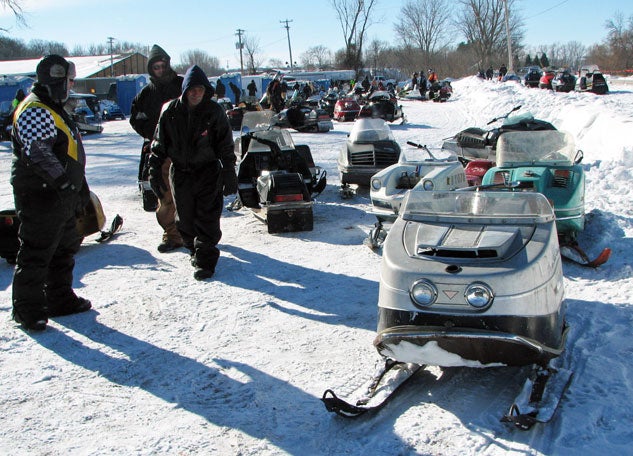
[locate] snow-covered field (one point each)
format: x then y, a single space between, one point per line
165 364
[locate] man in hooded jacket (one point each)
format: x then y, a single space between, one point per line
164 85
194 132
49 189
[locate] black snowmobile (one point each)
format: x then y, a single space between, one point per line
277 179
478 143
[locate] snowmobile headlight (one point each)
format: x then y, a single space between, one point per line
428 185
479 295
423 293
376 183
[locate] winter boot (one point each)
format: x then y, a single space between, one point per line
201 274
72 305
30 319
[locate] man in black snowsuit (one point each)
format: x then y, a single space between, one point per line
195 133
164 85
49 189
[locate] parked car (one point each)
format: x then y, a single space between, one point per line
532 77
110 110
546 79
564 81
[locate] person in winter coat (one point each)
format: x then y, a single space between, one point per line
220 89
19 96
236 91
194 132
252 88
164 85
49 189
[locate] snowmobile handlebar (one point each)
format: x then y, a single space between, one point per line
505 116
422 146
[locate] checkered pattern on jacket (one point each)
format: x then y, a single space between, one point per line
35 124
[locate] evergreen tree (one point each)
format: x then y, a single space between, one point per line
528 60
544 61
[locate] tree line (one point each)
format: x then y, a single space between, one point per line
425 31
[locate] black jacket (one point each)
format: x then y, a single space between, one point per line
147 104
194 139
47 148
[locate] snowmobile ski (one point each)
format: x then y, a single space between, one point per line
539 397
376 237
373 394
573 253
116 225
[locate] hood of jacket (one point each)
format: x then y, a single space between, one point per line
195 76
157 54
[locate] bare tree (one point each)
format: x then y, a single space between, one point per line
14 6
423 24
620 40
374 54
38 48
209 64
355 18
482 22
316 57
252 49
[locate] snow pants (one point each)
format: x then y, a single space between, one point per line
49 241
166 212
199 203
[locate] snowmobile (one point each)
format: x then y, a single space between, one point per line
236 114
83 108
478 143
472 279
277 179
370 147
328 102
417 169
303 117
547 162
590 79
384 105
444 92
346 109
91 221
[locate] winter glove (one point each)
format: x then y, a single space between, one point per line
229 181
84 199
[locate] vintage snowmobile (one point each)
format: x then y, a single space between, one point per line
382 104
346 109
370 147
277 179
303 116
417 169
590 79
478 143
90 222
547 162
472 279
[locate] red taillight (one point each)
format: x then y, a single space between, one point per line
287 198
8 221
562 173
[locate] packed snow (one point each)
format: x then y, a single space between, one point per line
165 364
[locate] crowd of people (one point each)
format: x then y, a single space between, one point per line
187 150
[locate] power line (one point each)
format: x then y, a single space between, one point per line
287 27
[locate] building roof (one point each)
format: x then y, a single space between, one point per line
85 66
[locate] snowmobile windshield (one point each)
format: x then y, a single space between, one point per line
380 95
425 156
256 121
281 137
527 148
367 130
504 208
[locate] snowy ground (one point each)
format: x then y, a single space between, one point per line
168 365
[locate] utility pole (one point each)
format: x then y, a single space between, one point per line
508 38
110 41
239 45
287 27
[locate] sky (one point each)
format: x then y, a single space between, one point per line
167 365
197 25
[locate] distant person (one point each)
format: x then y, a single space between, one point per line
237 92
502 72
194 132
490 73
252 88
220 89
164 85
19 96
49 190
